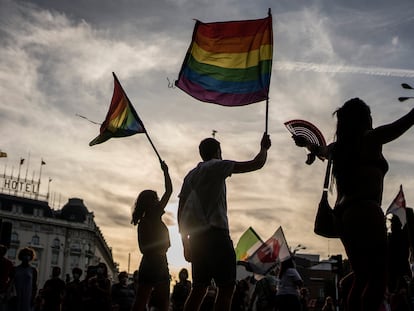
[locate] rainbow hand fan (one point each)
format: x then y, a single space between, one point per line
309 132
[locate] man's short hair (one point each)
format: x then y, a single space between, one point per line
208 148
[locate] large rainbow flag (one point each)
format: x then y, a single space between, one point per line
229 63
121 120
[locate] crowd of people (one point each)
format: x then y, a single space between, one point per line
359 168
94 290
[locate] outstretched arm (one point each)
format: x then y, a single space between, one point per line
168 186
258 161
389 132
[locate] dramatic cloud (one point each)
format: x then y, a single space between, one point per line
57 59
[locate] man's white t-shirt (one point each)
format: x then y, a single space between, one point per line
208 181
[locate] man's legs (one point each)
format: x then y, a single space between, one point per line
224 298
195 298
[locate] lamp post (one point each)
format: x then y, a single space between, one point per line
297 248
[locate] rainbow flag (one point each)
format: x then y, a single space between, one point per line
229 63
121 119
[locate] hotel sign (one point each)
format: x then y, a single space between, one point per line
13 184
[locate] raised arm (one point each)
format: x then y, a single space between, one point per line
258 161
168 186
389 132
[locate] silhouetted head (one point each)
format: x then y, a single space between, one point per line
354 118
102 269
209 148
56 271
286 264
26 254
183 274
123 277
76 273
146 200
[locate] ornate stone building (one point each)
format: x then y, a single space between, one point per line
67 238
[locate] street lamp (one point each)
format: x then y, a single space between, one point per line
297 248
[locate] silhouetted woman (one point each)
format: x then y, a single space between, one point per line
288 293
25 280
359 168
153 241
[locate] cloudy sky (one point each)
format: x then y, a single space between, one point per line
57 59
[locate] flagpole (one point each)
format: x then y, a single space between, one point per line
269 13
267 115
153 147
137 118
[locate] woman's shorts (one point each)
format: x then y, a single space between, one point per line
153 269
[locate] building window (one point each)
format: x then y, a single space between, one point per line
35 240
17 208
74 261
75 248
14 237
56 243
55 258
11 253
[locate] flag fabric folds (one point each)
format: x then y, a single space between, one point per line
274 250
121 119
398 207
247 244
229 63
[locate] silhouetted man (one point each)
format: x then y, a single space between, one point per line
203 223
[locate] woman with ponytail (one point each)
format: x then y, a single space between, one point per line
359 168
153 242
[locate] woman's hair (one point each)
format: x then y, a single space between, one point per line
144 201
27 251
286 264
183 274
354 119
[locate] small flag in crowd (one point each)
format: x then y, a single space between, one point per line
398 207
248 243
274 250
229 63
121 119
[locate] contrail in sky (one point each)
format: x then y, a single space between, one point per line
315 67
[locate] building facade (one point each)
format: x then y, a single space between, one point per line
67 238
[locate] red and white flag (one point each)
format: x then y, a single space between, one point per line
398 207
274 250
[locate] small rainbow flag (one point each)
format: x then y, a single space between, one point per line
121 120
229 63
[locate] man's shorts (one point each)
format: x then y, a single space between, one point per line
213 257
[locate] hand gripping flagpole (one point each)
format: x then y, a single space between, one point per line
138 118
